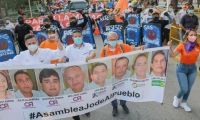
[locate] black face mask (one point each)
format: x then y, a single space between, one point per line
47 26
21 22
156 18
73 23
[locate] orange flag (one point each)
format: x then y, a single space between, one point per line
121 6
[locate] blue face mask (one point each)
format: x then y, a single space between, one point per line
190 11
113 43
78 40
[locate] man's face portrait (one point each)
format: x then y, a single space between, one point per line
99 74
121 67
24 83
74 78
51 85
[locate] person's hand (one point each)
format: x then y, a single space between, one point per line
88 58
169 43
61 60
142 47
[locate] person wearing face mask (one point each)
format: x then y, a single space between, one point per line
52 41
47 24
35 55
21 30
54 22
114 46
189 21
79 51
182 12
169 16
156 20
76 23
147 18
186 69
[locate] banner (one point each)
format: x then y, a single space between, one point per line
63 18
118 28
7 47
67 90
152 35
102 22
133 35
133 20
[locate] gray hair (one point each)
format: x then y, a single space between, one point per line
111 34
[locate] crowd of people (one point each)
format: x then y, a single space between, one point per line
52 51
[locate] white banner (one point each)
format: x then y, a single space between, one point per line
65 90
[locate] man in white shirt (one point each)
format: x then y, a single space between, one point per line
24 85
79 51
35 55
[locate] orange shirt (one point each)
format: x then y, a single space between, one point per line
187 57
119 48
53 45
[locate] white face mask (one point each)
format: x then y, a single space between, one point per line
33 47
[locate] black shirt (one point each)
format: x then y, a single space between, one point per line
189 22
21 30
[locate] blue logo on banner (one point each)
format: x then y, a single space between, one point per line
7 47
66 36
41 36
133 20
132 35
152 35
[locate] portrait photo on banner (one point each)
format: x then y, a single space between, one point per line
75 79
50 82
159 60
140 64
100 74
24 83
6 87
121 68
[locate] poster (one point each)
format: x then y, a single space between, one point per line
7 47
102 22
41 36
152 35
118 28
80 88
133 36
133 20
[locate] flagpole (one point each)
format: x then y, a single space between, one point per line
29 2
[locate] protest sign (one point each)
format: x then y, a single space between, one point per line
133 35
137 83
152 35
63 18
7 47
41 36
133 20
